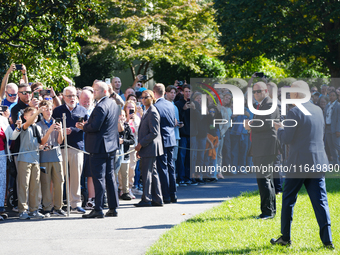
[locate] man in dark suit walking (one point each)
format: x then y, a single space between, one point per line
306 150
264 148
148 148
165 163
101 141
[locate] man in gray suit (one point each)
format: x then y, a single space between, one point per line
332 120
149 147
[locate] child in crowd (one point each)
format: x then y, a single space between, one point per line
51 161
28 165
126 139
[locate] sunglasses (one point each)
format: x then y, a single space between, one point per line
11 95
144 97
257 91
25 92
212 111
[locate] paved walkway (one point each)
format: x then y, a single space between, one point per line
132 232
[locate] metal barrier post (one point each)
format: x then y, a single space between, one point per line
66 166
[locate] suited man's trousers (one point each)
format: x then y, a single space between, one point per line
316 189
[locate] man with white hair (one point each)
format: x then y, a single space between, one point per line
102 141
11 92
86 100
74 113
306 150
264 148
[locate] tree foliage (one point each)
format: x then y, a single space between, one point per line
149 31
210 67
307 31
42 35
38 24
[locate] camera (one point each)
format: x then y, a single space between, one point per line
261 75
80 119
180 83
3 108
36 95
45 92
131 111
144 78
57 120
18 67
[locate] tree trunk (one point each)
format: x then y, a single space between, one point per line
335 76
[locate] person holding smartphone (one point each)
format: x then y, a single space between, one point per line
133 120
11 91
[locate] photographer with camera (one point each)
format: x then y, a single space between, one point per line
74 113
12 90
51 161
138 82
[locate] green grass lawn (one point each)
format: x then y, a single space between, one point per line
232 229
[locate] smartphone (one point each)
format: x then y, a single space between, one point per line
131 111
144 78
57 120
260 75
3 108
18 67
80 119
108 81
180 122
188 101
45 92
138 104
36 95
19 114
180 83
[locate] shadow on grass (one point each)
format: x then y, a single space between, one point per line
226 218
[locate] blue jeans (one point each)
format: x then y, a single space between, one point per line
183 159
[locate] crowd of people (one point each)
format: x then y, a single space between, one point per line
161 134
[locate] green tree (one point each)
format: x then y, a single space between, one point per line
305 31
176 32
209 67
42 35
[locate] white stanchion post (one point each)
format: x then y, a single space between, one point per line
66 166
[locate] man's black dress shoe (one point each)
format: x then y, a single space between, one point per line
264 217
167 201
143 204
173 199
280 241
111 213
93 214
329 246
156 204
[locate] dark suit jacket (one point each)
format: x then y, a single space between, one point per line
264 140
335 118
149 134
101 131
167 114
306 139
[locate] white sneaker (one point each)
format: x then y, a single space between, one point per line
131 194
137 192
24 216
90 204
15 209
36 215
